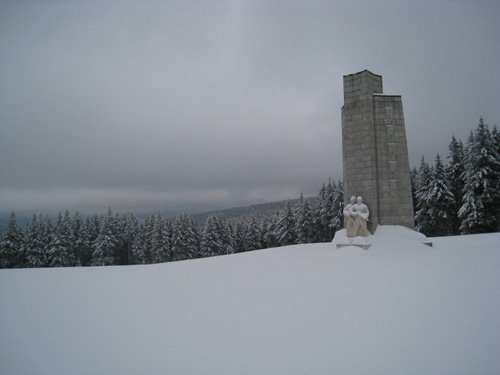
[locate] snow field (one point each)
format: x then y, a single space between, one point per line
398 308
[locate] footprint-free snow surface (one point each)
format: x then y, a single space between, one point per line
398 308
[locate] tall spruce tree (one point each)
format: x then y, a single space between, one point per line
11 245
79 236
422 220
160 240
440 202
454 173
104 246
480 211
285 229
184 238
139 248
90 231
413 183
337 220
239 237
253 234
304 225
321 215
225 233
61 246
34 245
269 231
211 242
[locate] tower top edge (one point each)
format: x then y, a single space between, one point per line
361 72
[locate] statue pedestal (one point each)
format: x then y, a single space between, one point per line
341 240
385 234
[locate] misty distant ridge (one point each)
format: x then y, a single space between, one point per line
261 209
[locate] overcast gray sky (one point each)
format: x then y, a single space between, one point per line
144 105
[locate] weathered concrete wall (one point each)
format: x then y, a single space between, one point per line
375 152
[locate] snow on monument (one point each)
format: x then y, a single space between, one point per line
375 154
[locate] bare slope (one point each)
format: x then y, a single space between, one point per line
399 308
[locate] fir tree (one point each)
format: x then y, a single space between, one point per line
325 210
160 243
60 250
269 231
211 243
47 233
439 202
413 184
480 211
454 172
253 235
104 246
79 236
34 246
90 231
184 238
337 220
139 248
239 238
285 229
11 244
303 221
422 219
225 233
496 138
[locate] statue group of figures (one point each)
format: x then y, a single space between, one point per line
355 217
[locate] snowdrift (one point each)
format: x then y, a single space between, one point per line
399 308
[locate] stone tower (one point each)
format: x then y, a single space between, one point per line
374 150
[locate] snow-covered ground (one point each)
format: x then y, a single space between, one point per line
398 308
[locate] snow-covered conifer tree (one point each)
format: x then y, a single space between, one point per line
139 248
269 230
34 246
337 220
326 213
225 233
184 238
439 202
61 246
303 221
79 236
413 183
285 229
253 234
239 238
104 246
480 211
318 219
90 231
424 176
211 244
454 172
11 244
160 242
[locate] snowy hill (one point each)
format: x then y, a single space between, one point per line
398 308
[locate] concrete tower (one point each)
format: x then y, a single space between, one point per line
374 150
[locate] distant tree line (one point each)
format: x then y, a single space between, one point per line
462 196
114 239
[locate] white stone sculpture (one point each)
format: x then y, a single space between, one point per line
349 217
360 213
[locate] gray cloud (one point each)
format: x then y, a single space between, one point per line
205 104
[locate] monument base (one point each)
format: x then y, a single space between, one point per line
384 233
341 240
